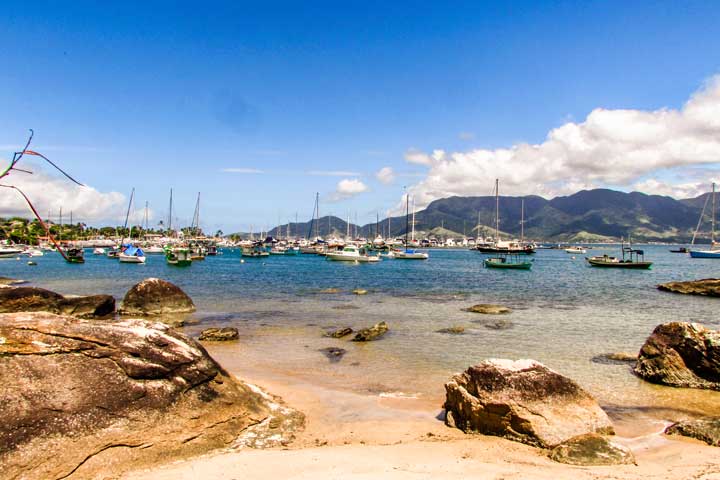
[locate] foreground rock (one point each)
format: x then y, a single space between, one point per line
592 449
153 296
219 334
704 429
33 299
488 309
375 332
339 333
523 401
88 399
681 354
709 287
333 354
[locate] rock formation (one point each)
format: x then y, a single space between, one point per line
339 333
704 429
681 354
219 334
375 332
33 299
592 449
153 296
488 309
84 398
523 401
709 287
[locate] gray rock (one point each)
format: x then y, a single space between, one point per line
592 449
333 354
705 429
339 333
456 330
617 358
153 296
523 401
375 332
219 334
709 287
95 399
681 354
33 299
488 309
499 324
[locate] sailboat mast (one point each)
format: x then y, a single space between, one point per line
61 225
317 210
497 210
127 214
170 214
712 230
413 221
407 218
522 220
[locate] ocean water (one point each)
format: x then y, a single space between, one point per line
564 314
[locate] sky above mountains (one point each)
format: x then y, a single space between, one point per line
258 105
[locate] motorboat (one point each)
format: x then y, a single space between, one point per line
34 252
75 255
99 251
631 258
351 253
132 254
410 254
255 250
508 261
178 256
10 252
575 250
154 250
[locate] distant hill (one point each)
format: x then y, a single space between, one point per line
588 215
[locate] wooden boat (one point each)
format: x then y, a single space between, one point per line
75 255
254 251
575 250
680 250
714 251
351 253
631 258
508 261
178 257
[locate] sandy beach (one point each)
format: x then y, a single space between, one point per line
349 435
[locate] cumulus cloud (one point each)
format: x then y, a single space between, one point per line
385 175
616 148
49 193
347 188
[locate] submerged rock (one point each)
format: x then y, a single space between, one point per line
488 309
346 306
339 333
333 354
93 399
592 449
219 334
615 358
681 354
709 287
499 324
523 401
456 330
375 332
705 429
329 291
5 281
360 291
153 297
33 299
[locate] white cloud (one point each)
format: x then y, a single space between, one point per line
242 170
610 148
333 173
385 175
347 188
679 190
49 193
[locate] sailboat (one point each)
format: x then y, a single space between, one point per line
501 246
409 254
714 251
128 252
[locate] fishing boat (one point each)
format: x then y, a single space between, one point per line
98 251
132 254
255 250
510 261
408 253
631 258
714 250
575 250
197 252
75 255
178 257
114 252
351 253
680 250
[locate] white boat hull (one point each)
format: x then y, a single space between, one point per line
350 258
130 259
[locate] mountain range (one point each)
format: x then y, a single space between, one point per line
588 215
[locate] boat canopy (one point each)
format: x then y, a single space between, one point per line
134 251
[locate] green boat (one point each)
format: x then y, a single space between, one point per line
512 262
178 257
75 255
631 258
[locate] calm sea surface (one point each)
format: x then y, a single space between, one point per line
564 314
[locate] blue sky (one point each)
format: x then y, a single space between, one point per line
155 95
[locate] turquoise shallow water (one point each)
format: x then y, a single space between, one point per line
564 314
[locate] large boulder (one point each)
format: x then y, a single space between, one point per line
376 332
33 299
523 401
709 287
705 429
153 296
681 354
592 449
92 399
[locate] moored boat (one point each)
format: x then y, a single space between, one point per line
255 250
508 261
178 256
132 254
714 250
75 255
10 252
575 250
98 251
351 253
631 258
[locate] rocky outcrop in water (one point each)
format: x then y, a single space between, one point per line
376 332
709 287
592 449
333 354
86 399
523 401
616 358
219 334
33 299
339 333
681 354
153 297
456 330
488 309
5 281
704 429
